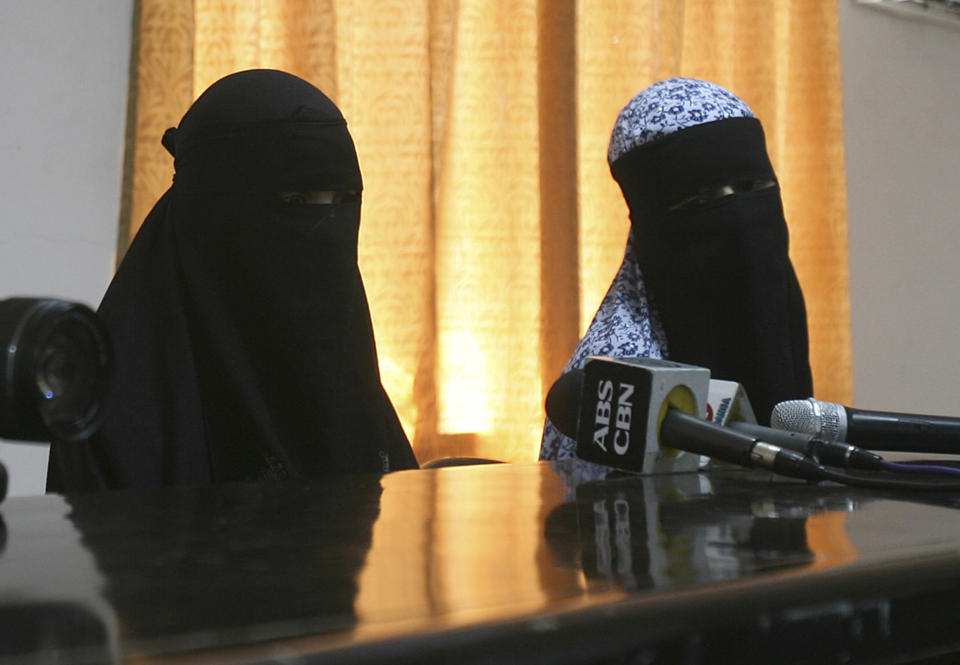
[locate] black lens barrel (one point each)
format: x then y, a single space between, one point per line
54 364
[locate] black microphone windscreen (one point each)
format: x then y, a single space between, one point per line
563 402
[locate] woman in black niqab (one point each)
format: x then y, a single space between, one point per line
242 337
706 277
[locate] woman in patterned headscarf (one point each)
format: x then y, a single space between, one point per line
243 343
705 278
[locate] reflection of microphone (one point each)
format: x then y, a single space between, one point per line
871 429
633 413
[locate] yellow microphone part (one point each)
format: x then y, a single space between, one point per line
682 399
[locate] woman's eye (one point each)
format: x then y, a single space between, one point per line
715 193
756 185
346 195
293 198
317 197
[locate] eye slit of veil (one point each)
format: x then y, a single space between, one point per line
317 197
711 194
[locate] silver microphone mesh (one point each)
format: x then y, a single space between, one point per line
825 420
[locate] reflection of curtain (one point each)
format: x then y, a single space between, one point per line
827 538
491 225
444 545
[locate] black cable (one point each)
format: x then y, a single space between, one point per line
923 469
889 483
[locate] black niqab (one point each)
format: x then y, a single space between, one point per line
243 342
717 267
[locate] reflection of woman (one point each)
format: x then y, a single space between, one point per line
706 278
243 343
191 568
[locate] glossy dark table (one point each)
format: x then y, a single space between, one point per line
483 564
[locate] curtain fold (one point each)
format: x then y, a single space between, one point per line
491 226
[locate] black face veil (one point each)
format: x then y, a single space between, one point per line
243 342
711 241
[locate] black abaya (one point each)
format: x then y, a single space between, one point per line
243 342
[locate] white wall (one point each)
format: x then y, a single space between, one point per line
63 88
901 85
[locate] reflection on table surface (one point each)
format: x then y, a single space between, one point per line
470 560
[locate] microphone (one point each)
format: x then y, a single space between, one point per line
617 404
728 405
876 430
834 453
727 402
636 414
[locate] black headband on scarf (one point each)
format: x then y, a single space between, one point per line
656 175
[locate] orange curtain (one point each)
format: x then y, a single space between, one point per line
491 226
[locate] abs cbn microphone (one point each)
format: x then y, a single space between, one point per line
637 414
613 408
876 430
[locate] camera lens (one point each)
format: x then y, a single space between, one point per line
67 374
54 371
58 368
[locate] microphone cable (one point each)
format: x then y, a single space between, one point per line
920 467
870 482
